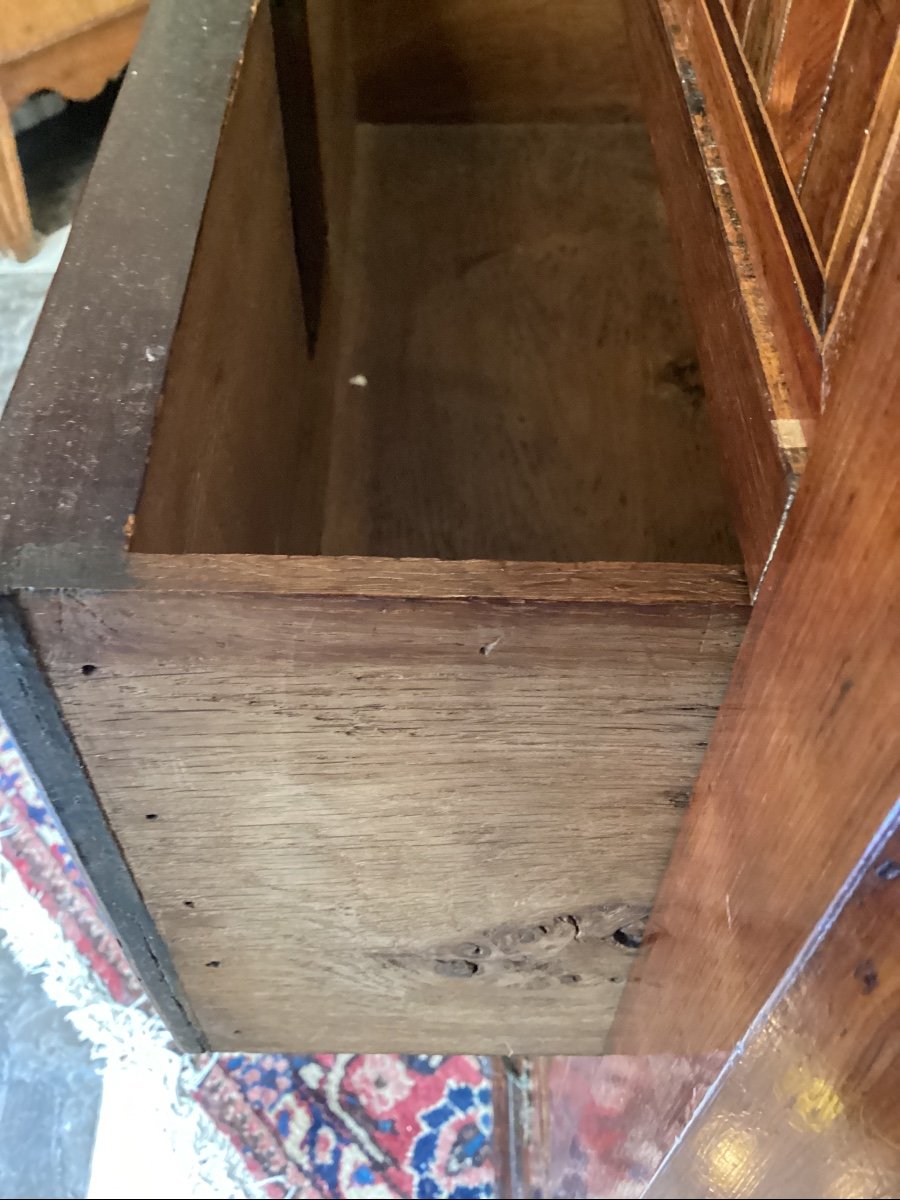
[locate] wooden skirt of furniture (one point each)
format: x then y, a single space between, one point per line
366 553
69 46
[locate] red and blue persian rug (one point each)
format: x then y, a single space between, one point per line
334 1125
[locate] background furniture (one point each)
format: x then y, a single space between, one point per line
68 46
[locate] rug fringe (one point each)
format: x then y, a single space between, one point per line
129 1039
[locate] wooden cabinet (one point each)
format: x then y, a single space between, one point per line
373 570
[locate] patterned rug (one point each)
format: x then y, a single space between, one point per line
338 1125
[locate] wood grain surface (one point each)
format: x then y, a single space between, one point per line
763 36
800 77
16 233
771 251
805 760
223 472
431 579
809 1105
752 407
804 259
531 390
872 169
349 817
865 53
467 60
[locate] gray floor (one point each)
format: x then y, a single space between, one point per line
49 1093
50 1090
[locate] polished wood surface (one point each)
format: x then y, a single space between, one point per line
418 772
800 76
526 385
803 764
762 37
863 58
503 60
762 425
872 169
808 1105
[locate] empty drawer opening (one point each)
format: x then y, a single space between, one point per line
501 366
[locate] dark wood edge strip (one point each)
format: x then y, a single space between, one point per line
29 708
807 261
88 389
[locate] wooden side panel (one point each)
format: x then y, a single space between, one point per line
226 446
467 60
392 824
761 434
865 52
809 1105
805 760
800 77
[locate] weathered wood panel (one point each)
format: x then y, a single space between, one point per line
349 818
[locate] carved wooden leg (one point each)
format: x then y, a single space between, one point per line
16 231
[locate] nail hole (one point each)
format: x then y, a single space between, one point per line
631 941
214 962
88 669
152 817
188 904
456 968
570 979
888 870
